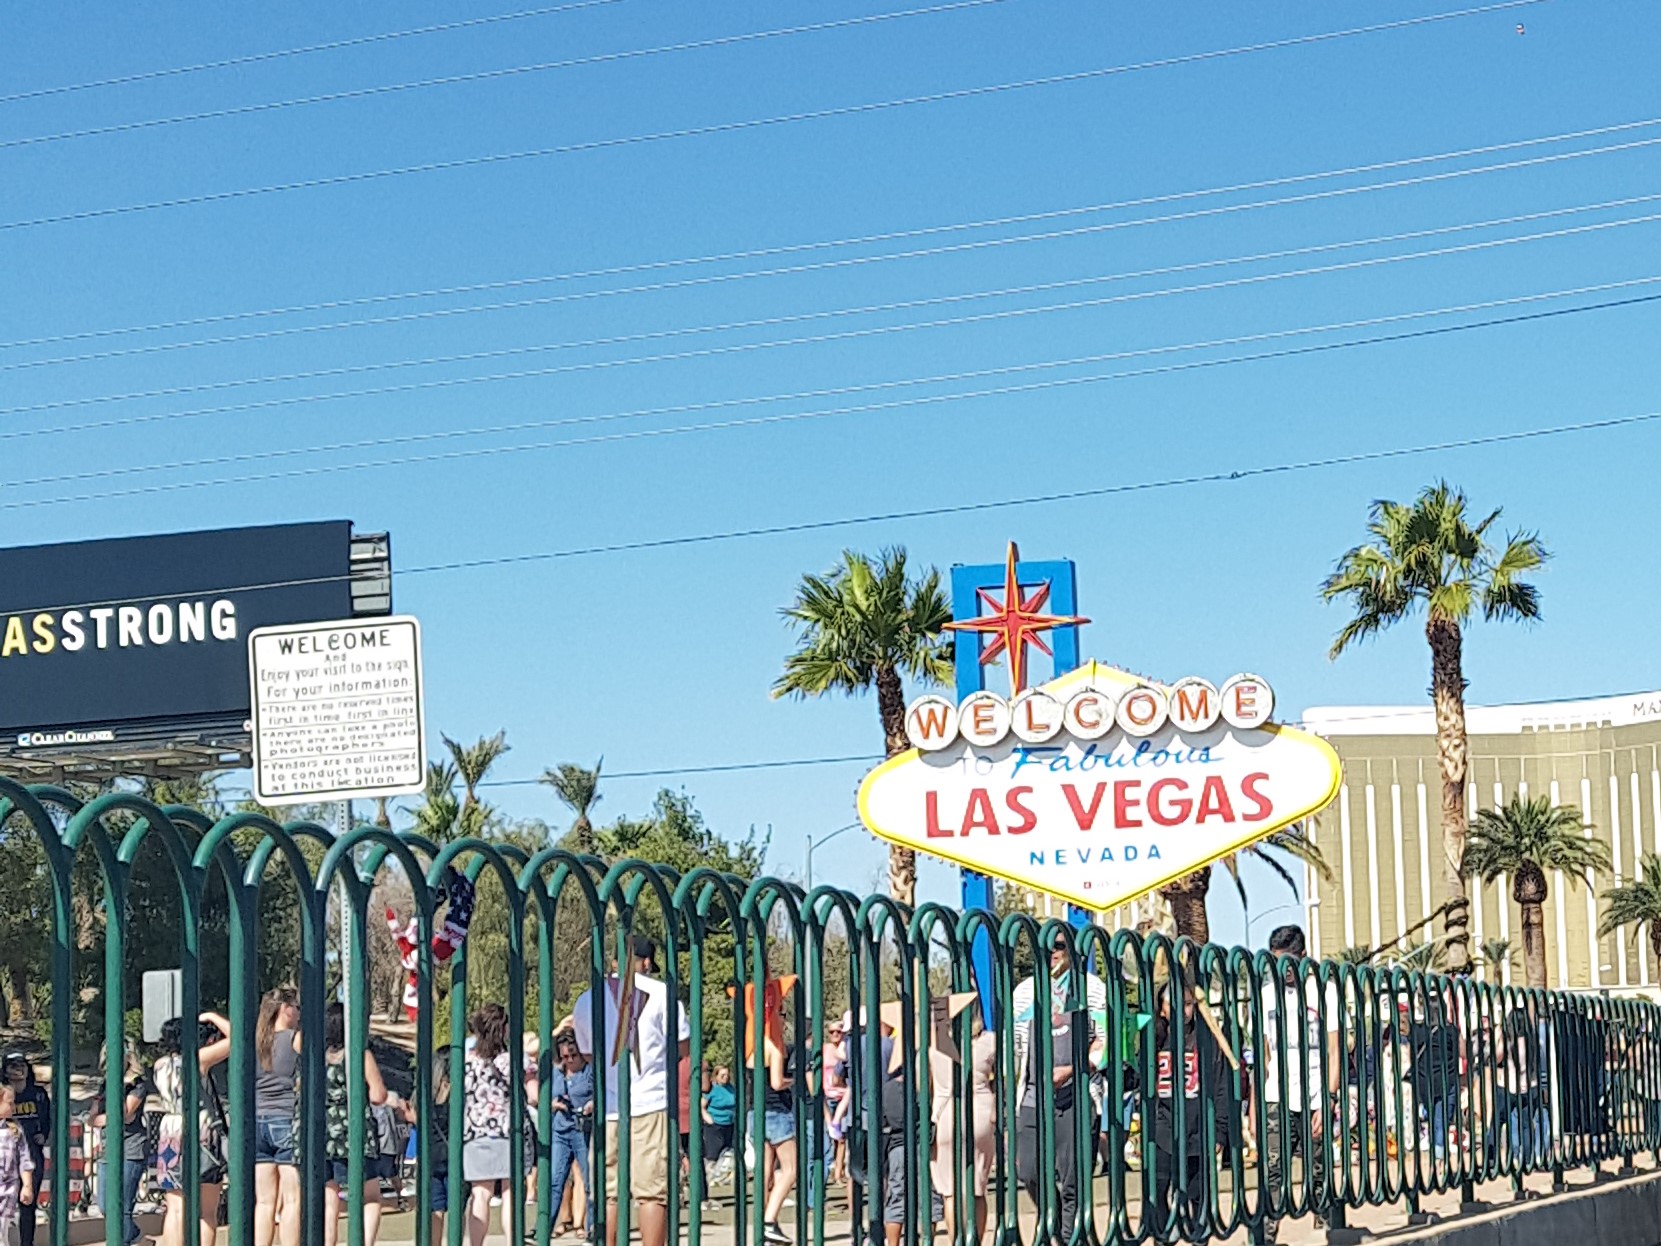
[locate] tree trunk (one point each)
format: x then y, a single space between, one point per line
1528 888
1447 689
902 862
582 834
23 997
1186 897
1655 941
383 818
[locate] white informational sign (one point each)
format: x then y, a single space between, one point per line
163 994
337 711
1098 787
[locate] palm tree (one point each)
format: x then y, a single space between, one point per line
1496 952
868 623
579 791
1187 895
435 816
1637 903
472 764
1429 554
1525 839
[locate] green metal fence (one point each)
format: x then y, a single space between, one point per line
1223 1088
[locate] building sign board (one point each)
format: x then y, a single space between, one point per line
337 711
1099 786
100 640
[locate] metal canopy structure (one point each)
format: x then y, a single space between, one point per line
187 744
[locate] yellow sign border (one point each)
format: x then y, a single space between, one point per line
1095 674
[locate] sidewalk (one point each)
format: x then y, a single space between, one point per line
1378 1223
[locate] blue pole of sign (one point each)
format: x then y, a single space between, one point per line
970 678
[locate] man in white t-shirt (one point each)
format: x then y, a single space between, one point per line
1300 1010
647 1049
1073 1090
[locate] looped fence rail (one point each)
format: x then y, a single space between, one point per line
1215 1088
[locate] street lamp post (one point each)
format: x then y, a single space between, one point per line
1279 908
820 843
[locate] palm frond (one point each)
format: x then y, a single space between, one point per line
1531 831
1636 902
577 788
1430 554
863 616
473 761
1507 595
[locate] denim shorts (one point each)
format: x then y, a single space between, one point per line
778 1126
274 1140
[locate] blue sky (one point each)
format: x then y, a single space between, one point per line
663 659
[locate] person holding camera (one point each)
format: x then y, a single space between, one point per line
572 1086
213 1047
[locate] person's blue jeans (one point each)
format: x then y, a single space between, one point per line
1439 1113
1530 1124
132 1176
567 1147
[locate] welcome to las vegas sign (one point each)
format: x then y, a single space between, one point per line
1099 786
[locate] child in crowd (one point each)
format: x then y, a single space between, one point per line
17 1169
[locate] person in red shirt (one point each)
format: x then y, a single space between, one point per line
686 1119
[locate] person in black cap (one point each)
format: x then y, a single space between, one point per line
640 1016
33 1115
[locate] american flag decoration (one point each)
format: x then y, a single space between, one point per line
450 935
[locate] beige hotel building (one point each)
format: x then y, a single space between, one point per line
1381 837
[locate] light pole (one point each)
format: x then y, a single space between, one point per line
821 842
1279 908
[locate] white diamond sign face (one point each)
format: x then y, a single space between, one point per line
1099 815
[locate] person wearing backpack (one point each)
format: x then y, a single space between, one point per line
169 1074
337 1132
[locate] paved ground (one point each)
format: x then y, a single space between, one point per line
1380 1223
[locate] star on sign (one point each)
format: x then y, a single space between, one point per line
1014 623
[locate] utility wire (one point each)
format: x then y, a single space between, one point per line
801 395
815 339
718 768
924 512
727 127
873 239
254 58
911 304
796 417
872 758
845 390
242 110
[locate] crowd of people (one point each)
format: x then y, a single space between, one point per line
1181 1086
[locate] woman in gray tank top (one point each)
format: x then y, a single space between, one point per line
276 1178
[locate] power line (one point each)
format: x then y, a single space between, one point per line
1426 711
732 127
254 58
716 768
793 417
705 352
241 110
879 386
886 237
802 395
542 301
924 512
